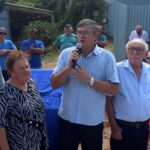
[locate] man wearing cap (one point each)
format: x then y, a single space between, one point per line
129 109
68 39
6 46
34 48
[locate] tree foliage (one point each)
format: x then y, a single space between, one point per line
23 2
47 33
65 11
69 10
74 10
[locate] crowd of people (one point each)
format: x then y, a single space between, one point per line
94 84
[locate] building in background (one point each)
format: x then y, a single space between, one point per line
14 17
122 17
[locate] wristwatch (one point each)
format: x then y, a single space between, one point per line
91 82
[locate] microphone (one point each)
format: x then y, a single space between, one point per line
79 51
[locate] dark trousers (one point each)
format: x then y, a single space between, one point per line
5 75
134 137
70 135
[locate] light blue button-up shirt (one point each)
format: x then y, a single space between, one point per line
132 103
81 103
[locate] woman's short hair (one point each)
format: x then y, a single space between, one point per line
13 57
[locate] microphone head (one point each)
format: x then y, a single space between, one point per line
79 45
79 48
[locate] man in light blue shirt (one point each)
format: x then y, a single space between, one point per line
129 110
86 78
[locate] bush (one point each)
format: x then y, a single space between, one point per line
48 31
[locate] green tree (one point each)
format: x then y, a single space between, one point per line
75 10
47 31
22 2
66 11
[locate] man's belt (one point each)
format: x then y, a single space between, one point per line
132 124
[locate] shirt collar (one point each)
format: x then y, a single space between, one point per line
94 52
129 66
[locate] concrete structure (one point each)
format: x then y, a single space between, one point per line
20 15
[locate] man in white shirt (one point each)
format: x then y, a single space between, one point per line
139 33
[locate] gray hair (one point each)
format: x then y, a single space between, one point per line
88 22
140 41
138 26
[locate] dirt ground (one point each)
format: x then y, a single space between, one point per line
106 136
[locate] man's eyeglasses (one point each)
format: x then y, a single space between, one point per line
147 58
3 33
137 49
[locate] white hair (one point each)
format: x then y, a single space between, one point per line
140 41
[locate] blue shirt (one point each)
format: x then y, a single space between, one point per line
9 45
81 103
35 59
132 103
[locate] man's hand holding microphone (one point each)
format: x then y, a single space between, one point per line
81 73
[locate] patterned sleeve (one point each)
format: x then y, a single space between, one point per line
3 107
34 86
44 132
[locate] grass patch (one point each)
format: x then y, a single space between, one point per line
49 59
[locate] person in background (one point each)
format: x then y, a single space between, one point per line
129 110
33 47
101 38
86 83
68 39
139 33
1 77
6 46
22 112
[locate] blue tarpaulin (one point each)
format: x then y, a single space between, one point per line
51 98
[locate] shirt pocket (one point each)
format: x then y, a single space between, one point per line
146 89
